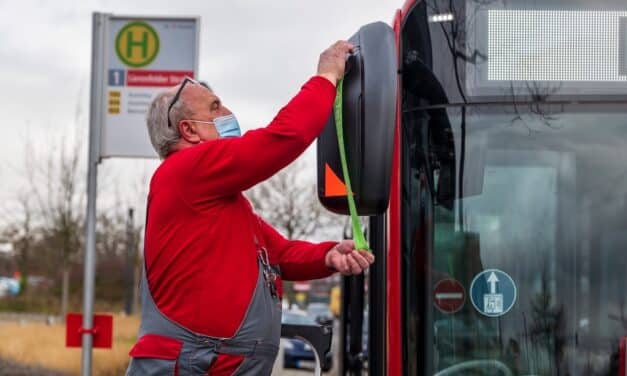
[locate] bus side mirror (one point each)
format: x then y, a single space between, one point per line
369 114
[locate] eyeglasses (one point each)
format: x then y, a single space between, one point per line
178 94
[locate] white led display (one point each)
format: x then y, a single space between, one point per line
446 17
533 45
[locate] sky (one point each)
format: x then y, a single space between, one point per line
254 54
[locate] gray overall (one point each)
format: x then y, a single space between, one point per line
256 340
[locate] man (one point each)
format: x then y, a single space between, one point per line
211 299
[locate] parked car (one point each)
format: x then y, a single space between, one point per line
297 353
320 312
9 286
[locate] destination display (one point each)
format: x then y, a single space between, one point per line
542 52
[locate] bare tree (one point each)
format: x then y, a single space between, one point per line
117 240
44 221
21 233
60 200
19 216
288 202
141 190
110 229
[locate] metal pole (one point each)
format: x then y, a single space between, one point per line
130 263
351 329
356 320
92 176
344 356
377 349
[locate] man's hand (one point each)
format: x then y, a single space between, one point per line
333 61
346 260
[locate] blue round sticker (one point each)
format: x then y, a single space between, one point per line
493 293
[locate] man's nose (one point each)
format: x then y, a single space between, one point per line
225 111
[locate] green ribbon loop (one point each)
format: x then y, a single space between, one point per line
358 234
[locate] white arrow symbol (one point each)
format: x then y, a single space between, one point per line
492 280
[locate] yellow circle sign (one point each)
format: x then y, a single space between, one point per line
137 44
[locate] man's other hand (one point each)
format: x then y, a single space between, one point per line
333 61
347 260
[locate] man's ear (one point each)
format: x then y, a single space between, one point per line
188 132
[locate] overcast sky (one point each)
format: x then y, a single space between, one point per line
255 55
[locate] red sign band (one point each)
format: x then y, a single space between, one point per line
154 78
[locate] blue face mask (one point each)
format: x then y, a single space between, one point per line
227 126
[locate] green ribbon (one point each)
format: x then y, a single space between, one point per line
358 234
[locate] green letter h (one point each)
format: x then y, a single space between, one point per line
143 43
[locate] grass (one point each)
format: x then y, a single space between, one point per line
43 345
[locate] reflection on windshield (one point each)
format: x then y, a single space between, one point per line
290 318
546 205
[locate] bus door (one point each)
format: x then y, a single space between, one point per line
514 187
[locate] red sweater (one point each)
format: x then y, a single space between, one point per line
200 253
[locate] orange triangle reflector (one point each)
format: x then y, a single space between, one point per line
333 185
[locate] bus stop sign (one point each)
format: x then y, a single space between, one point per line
137 57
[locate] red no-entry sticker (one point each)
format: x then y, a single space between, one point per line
449 296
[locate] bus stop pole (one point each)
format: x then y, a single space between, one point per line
129 282
92 176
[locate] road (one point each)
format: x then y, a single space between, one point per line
278 366
279 371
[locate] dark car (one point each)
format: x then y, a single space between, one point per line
320 313
298 354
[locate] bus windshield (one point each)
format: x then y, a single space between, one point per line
540 195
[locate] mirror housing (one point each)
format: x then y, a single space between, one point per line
369 114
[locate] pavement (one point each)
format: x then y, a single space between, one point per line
8 368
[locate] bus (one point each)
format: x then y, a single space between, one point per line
496 193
